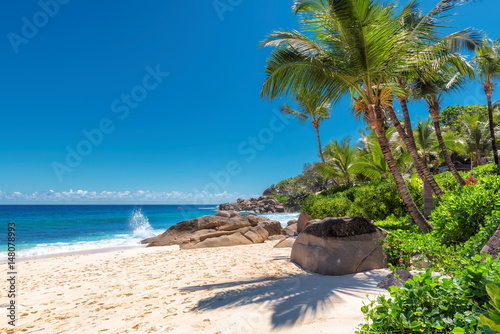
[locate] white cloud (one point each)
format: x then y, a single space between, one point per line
118 197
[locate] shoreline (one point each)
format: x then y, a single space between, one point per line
238 289
80 252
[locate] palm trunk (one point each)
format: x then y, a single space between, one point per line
415 213
428 201
316 127
489 91
422 170
434 111
406 116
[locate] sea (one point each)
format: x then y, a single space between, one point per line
42 230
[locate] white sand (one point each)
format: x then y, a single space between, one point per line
242 289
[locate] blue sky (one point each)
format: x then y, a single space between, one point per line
159 100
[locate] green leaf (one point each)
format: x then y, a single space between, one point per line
458 330
477 257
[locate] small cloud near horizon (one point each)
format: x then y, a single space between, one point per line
119 197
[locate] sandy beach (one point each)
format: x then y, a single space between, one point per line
240 289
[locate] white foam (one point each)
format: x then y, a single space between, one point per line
140 230
283 218
140 224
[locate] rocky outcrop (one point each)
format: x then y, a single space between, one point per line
340 246
260 205
269 191
397 278
224 228
492 247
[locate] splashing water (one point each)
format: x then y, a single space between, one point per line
140 224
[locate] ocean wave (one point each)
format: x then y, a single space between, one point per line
283 218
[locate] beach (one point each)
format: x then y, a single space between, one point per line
239 289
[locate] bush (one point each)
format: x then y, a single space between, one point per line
374 200
392 223
320 207
462 211
429 304
296 198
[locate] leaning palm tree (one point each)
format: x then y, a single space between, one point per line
340 159
357 47
311 108
437 82
487 61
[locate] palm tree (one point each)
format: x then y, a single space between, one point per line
357 47
445 79
340 160
370 161
428 146
476 137
311 108
487 61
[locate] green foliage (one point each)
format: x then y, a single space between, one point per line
463 210
492 319
333 190
296 198
392 223
375 200
402 244
429 304
320 206
280 197
452 116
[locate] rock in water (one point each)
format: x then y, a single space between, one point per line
492 247
340 246
392 280
224 228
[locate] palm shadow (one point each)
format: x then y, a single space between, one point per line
292 297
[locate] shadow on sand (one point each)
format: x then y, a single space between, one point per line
290 298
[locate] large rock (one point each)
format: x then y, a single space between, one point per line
287 243
304 218
272 226
492 247
291 230
224 228
397 278
340 246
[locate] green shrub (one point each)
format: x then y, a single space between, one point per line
491 320
429 304
375 200
392 223
320 207
401 246
333 190
463 210
296 198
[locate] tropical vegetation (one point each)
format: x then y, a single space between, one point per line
375 53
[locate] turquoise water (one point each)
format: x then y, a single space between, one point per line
52 229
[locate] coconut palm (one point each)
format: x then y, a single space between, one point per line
357 47
476 137
428 146
311 108
370 161
487 61
445 79
340 159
